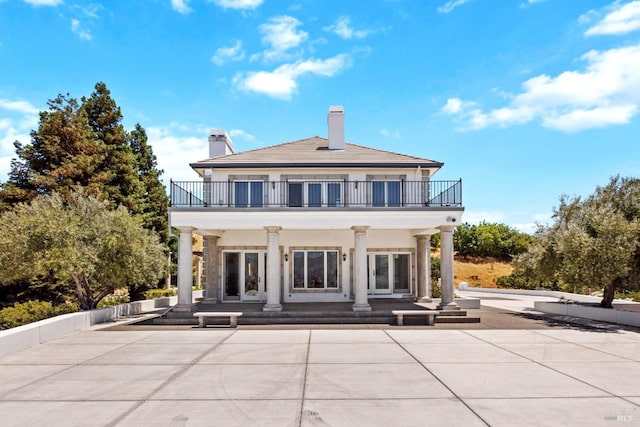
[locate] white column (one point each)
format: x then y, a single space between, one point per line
185 270
360 268
446 269
211 284
273 269
424 268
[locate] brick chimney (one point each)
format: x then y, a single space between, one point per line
335 120
219 143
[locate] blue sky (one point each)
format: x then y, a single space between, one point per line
526 100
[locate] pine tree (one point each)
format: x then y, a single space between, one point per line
121 184
63 153
85 144
156 202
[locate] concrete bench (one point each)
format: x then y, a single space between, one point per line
429 314
232 315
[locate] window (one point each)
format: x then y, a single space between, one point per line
315 269
385 193
295 194
248 194
315 194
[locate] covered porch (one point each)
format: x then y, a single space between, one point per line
354 250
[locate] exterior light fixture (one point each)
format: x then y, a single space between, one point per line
286 258
344 257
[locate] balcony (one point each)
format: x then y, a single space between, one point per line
295 195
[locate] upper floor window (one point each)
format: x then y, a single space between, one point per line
315 194
386 193
248 194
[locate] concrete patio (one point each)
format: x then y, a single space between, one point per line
540 372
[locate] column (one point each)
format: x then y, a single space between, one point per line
198 271
211 265
273 269
185 270
360 268
446 269
424 267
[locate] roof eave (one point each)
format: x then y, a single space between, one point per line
249 165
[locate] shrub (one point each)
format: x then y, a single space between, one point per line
436 292
119 296
516 280
32 311
160 293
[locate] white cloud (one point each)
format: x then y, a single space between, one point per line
281 82
450 5
181 6
80 31
530 2
23 107
242 135
623 19
606 93
389 134
229 53
43 2
175 151
343 28
8 135
453 106
280 34
238 4
16 120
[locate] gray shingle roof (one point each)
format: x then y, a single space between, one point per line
314 152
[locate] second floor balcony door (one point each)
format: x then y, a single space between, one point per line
248 194
315 194
386 193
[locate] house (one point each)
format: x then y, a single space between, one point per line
314 220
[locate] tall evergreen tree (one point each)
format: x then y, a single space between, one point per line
156 202
121 185
63 153
84 143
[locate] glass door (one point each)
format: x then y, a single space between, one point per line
253 277
388 273
379 274
244 276
231 275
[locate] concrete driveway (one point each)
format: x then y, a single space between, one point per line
380 376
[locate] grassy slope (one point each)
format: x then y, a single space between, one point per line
480 271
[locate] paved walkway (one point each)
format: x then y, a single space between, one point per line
550 374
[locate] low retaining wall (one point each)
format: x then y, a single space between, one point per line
622 317
539 293
22 337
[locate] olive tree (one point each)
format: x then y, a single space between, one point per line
78 241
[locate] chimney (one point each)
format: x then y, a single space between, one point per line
335 120
219 143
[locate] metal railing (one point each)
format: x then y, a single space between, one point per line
316 194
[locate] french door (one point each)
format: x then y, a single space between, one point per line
243 274
388 273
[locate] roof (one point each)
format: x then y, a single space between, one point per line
314 152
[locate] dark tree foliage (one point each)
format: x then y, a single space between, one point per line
489 240
117 163
156 201
85 144
62 154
